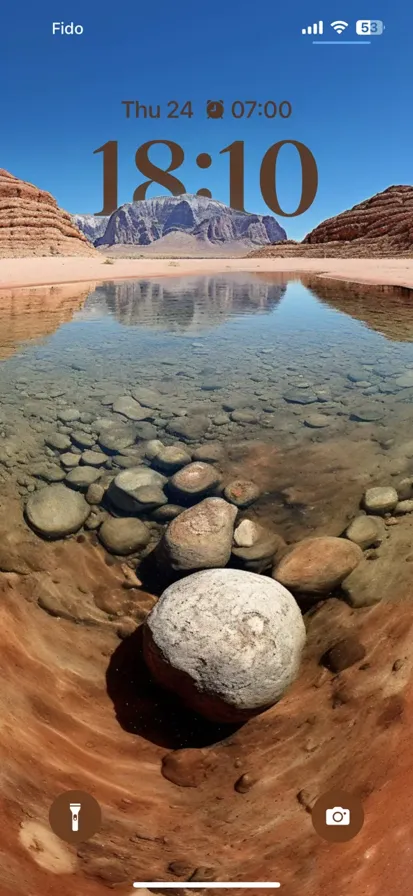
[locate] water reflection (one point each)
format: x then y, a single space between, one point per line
190 306
30 315
386 309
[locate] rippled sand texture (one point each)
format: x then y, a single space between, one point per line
77 709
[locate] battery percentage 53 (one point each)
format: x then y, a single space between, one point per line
369 26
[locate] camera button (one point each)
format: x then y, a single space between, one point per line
338 816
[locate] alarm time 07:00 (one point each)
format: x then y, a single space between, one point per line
213 109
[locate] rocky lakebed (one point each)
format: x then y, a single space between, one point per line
233 458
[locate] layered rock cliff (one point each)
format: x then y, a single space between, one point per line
381 227
31 222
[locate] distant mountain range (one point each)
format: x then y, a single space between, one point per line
205 222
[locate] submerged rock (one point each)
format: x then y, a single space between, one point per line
344 653
123 535
123 490
130 408
364 531
188 428
380 500
255 548
201 537
317 565
227 642
194 481
56 511
170 459
242 492
81 477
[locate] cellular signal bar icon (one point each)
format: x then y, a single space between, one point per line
317 28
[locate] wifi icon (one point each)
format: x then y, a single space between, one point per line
339 27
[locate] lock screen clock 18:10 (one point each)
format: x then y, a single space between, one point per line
163 176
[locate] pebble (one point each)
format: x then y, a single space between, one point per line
209 453
343 654
244 417
82 477
93 458
380 499
123 489
317 565
317 421
188 428
58 441
123 535
68 415
297 396
404 506
194 481
128 407
172 458
166 513
69 459
115 439
83 439
95 493
244 783
241 492
364 531
152 448
56 511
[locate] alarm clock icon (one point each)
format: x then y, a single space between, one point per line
215 108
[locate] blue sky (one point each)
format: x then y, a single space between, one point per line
61 96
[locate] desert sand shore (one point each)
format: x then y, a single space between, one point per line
22 272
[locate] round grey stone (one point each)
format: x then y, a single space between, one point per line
69 460
147 397
68 415
95 493
317 421
123 535
364 531
150 496
115 438
244 417
83 439
189 428
380 499
56 511
58 441
123 489
242 492
82 477
152 448
194 481
130 408
201 537
299 396
209 453
228 642
171 458
166 513
93 458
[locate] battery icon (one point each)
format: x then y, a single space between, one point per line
369 26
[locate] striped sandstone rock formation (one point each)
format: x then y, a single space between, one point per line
379 227
31 222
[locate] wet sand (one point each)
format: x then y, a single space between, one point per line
20 272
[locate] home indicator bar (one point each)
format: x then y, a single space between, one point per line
262 885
